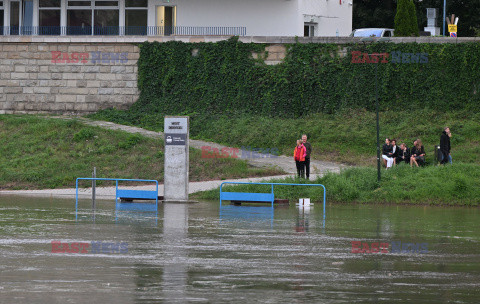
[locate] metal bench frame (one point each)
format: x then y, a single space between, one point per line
122 193
262 197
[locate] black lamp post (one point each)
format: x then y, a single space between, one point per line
378 124
377 61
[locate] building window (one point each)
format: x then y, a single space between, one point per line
309 29
49 3
136 17
92 17
79 22
49 17
136 3
106 22
1 17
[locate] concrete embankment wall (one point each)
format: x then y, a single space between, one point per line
85 74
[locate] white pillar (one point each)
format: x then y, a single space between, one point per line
6 7
35 18
121 17
63 16
176 159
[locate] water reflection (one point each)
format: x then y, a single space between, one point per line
303 219
251 215
143 212
175 230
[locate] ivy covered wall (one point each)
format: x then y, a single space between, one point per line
224 77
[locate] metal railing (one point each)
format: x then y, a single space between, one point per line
123 30
139 194
266 197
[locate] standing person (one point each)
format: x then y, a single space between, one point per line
449 154
387 153
308 146
403 154
418 154
299 156
445 145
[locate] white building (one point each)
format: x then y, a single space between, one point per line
177 17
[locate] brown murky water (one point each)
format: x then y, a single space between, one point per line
244 254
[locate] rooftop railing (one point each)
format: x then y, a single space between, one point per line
123 30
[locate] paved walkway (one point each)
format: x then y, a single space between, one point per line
109 192
285 163
318 168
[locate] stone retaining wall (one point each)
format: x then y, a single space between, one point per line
78 74
67 77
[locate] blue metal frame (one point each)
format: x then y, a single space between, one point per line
145 194
263 197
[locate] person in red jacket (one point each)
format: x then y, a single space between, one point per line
299 156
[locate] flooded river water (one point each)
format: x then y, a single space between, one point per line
236 254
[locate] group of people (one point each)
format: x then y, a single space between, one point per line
301 155
393 154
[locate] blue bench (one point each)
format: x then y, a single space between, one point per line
136 194
263 197
247 197
123 194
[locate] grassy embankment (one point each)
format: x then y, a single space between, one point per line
456 184
348 138
38 152
351 138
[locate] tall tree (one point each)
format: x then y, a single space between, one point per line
403 19
413 22
381 13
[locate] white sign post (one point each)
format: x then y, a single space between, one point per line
176 130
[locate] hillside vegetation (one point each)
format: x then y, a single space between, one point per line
453 185
40 152
347 137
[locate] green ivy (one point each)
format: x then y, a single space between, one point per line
224 78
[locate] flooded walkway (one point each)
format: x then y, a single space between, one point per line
235 254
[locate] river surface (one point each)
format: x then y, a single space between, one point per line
201 253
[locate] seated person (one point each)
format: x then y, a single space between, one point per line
395 150
387 152
403 154
417 154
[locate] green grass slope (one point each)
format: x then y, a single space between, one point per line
348 137
456 184
40 152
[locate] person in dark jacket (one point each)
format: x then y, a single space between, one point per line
445 145
395 150
387 152
403 154
308 146
417 154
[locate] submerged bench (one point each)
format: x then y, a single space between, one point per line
130 195
126 193
261 197
247 197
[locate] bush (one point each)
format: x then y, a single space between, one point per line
224 78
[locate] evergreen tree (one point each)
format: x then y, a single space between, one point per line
413 22
402 19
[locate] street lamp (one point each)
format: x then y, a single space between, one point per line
378 124
382 39
444 15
